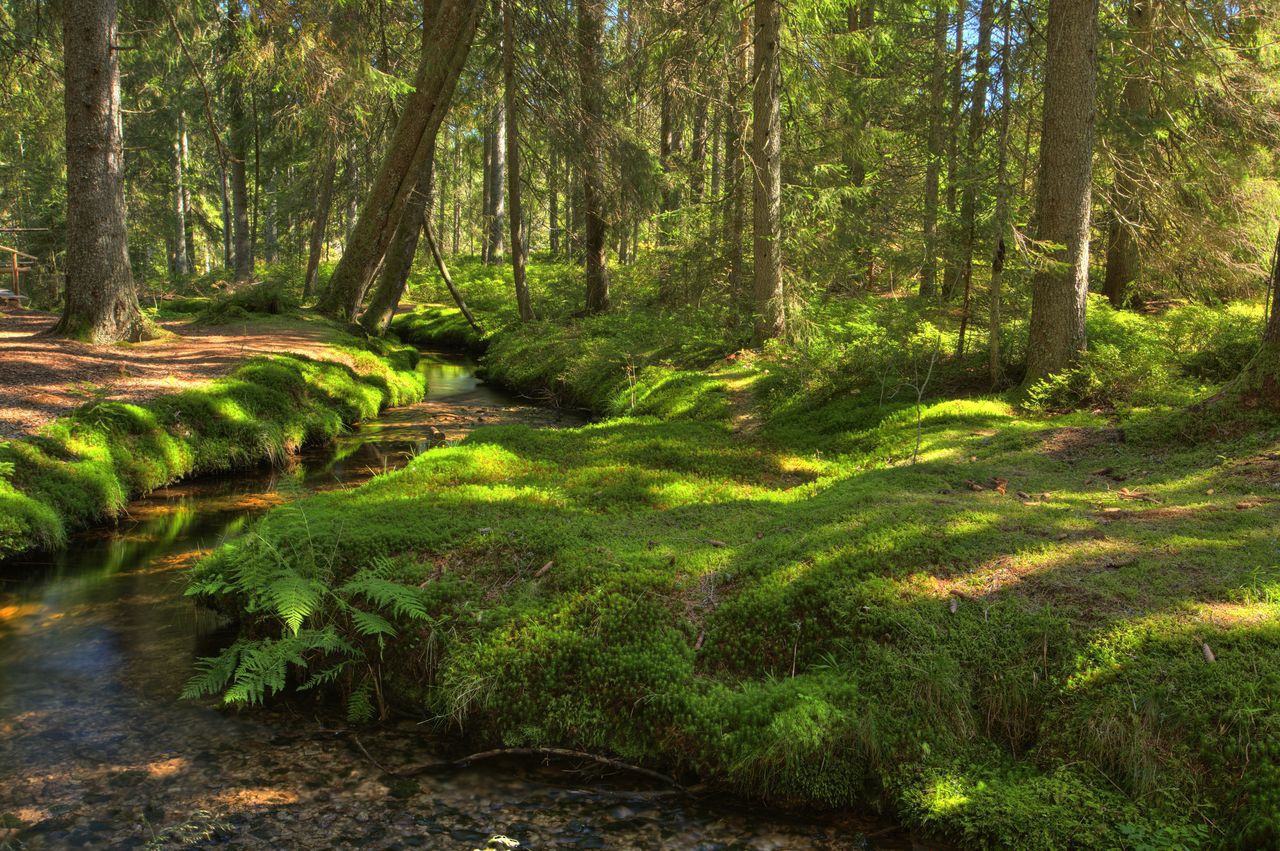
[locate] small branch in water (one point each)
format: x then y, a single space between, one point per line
563 752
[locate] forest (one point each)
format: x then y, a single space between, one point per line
812 425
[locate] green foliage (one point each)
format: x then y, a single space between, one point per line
270 297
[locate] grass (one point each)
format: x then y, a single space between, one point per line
86 466
1050 630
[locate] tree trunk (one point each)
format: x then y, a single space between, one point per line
486 188
320 219
972 164
553 204
452 29
670 143
999 224
735 133
181 265
448 279
590 62
766 156
937 94
226 220
523 303
497 216
398 261
1059 287
698 149
1124 259
950 278
101 302
269 247
240 136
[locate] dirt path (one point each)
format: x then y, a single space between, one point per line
42 378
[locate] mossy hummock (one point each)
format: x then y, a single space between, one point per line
87 466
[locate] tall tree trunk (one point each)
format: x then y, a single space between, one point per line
937 94
972 161
486 193
553 204
226 220
766 157
698 149
1000 222
240 137
950 277
1124 257
523 303
735 135
269 247
497 191
1271 331
590 70
181 265
1059 287
670 143
320 218
398 261
448 279
452 29
101 301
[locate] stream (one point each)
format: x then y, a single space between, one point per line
96 750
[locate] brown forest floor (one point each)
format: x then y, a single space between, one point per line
42 378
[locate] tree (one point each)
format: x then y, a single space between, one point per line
1059 287
937 93
766 156
523 304
320 215
595 231
240 137
452 29
101 301
180 264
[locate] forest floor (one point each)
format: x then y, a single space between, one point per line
43 378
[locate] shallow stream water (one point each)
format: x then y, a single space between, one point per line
96 750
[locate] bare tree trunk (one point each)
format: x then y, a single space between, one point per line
698 149
553 204
101 302
448 279
590 62
1059 287
937 93
181 265
950 277
1000 222
735 133
269 247
452 29
969 197
320 219
511 104
497 177
226 220
398 261
670 143
766 156
1271 331
1124 257
241 133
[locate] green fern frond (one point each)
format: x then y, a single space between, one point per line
360 707
294 598
403 601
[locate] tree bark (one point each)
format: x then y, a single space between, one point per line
398 261
766 156
181 265
590 70
448 279
999 224
101 301
1060 285
553 204
240 137
511 104
452 29
972 164
320 218
735 134
950 280
497 213
1124 257
937 94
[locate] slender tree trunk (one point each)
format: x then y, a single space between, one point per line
590 62
101 302
1059 287
999 224
181 266
240 137
320 218
486 194
497 178
698 149
972 161
937 94
553 204
523 303
950 277
269 247
452 29
398 261
226 221
735 221
1124 257
1271 331
448 279
766 156
670 143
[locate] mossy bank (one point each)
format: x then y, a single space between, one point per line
786 576
86 466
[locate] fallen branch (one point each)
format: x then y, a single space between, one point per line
568 754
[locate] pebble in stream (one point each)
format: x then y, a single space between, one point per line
96 752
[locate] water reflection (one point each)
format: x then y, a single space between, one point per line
95 751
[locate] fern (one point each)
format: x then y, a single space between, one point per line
294 598
360 707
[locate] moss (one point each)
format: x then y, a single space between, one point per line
87 466
987 623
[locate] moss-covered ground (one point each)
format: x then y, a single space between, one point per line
788 575
86 466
